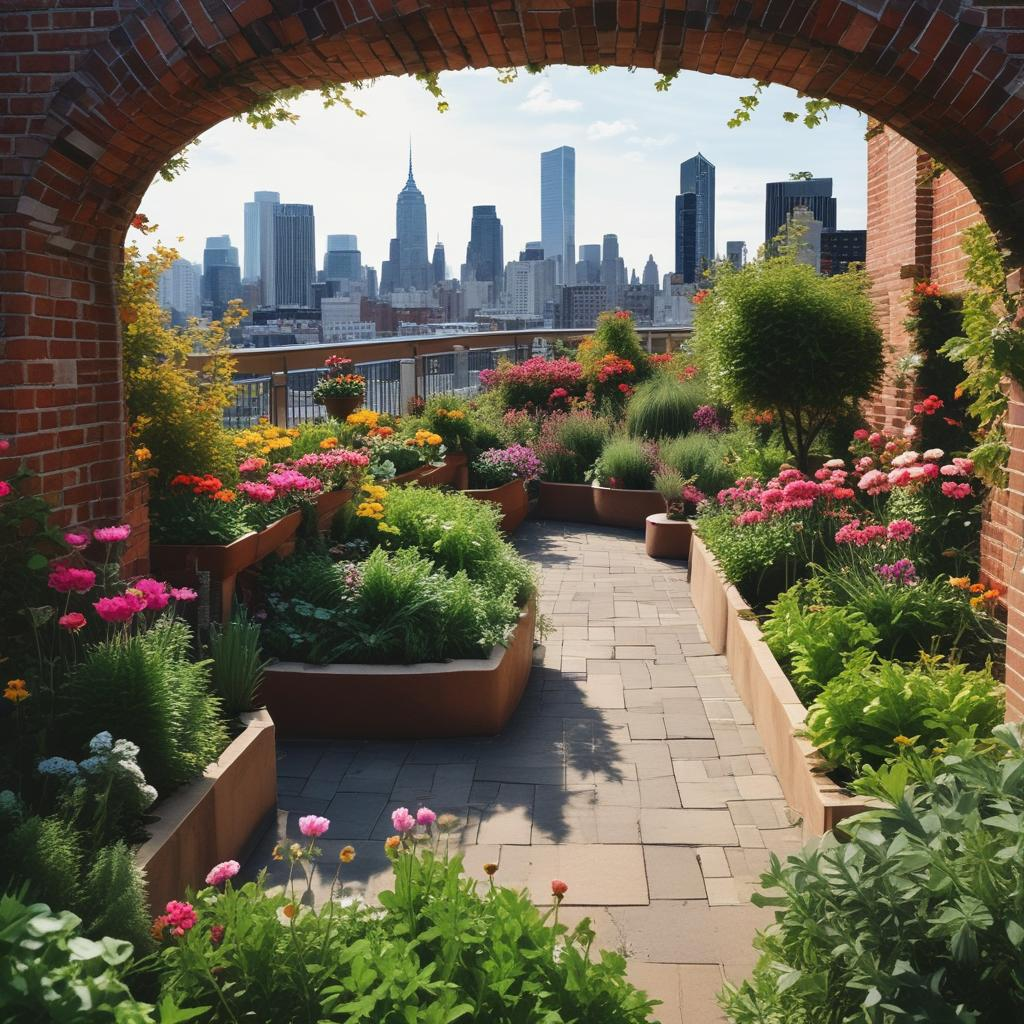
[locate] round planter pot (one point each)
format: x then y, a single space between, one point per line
510 498
339 408
572 503
616 506
667 538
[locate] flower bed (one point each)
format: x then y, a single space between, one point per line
469 697
214 818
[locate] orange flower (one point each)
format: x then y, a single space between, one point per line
991 594
960 582
977 588
224 495
392 843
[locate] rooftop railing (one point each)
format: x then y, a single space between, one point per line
277 383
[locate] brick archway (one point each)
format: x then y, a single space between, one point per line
99 95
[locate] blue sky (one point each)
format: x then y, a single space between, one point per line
629 142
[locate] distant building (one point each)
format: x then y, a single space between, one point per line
686 237
588 269
529 284
736 254
222 277
258 245
437 264
558 210
613 270
485 257
294 254
179 291
650 278
782 196
841 248
408 253
580 305
804 230
638 299
343 261
371 282
697 177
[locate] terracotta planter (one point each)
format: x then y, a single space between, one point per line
339 408
454 473
667 538
215 818
769 697
617 506
572 503
327 506
472 697
510 498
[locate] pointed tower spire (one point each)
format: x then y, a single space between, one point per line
411 180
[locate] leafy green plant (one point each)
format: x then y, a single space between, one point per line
857 717
776 335
626 462
569 445
236 669
703 456
664 406
916 917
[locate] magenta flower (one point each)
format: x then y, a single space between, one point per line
183 594
750 517
180 917
4 445
956 491
313 826
78 541
66 579
117 609
5 488
425 816
112 534
155 593
256 491
402 820
901 529
217 934
222 872
72 622
874 481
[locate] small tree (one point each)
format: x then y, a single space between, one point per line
778 336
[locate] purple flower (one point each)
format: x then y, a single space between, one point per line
402 820
706 419
519 458
425 816
902 572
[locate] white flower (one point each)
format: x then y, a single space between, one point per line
149 793
125 750
101 742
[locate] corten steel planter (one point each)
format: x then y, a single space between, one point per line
667 538
618 506
572 503
511 498
769 696
339 408
214 818
328 505
470 697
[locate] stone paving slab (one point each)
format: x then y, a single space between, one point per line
631 771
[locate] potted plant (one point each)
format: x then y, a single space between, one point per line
623 483
500 475
568 446
667 534
339 391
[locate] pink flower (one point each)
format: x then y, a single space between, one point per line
930 471
5 488
956 491
865 463
284 480
72 622
558 888
908 458
402 820
251 465
835 464
876 440
787 476
76 540
112 534
901 529
222 872
750 517
861 434
66 579
966 466
155 593
822 474
800 493
4 445
933 455
910 431
217 934
900 477
312 825
874 481
256 491
117 609
425 816
180 917
772 500
949 471
183 594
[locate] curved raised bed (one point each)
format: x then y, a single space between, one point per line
769 696
215 818
572 503
618 506
327 506
471 697
454 472
511 498
667 538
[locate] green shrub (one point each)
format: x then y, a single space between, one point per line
857 715
916 918
146 689
704 456
626 462
777 335
113 898
44 855
664 406
569 445
236 668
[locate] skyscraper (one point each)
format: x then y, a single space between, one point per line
697 176
343 261
258 245
613 270
686 237
222 277
588 270
410 268
558 209
736 254
650 278
841 248
294 254
485 254
179 291
437 264
813 193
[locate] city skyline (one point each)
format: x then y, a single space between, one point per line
626 174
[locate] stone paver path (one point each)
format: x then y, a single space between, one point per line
630 770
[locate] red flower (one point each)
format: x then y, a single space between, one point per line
929 406
927 289
700 296
558 888
139 221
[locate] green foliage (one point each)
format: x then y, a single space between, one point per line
570 444
626 462
615 335
815 113
916 918
181 517
44 855
948 538
236 668
816 644
146 689
664 406
703 456
440 950
113 897
776 335
856 716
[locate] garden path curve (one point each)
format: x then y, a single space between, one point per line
630 770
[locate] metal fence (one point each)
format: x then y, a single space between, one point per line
251 403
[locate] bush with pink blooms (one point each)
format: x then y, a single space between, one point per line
537 384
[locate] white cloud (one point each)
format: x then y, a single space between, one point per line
542 100
650 141
609 129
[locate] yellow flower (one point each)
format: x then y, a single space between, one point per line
375 491
386 528
434 439
329 442
347 855
903 741
15 691
362 418
143 454
960 582
977 602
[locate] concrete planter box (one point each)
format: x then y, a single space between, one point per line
769 697
215 818
618 506
571 503
667 538
510 498
471 697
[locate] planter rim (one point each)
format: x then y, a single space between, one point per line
494 490
623 490
662 519
245 538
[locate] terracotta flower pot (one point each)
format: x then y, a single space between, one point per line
617 506
667 538
327 506
572 503
339 408
510 497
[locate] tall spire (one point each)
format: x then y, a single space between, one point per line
411 180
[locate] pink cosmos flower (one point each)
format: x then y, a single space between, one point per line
155 593
78 541
933 455
956 491
72 622
117 609
402 820
425 816
181 917
312 825
112 534
183 594
222 872
901 529
66 579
